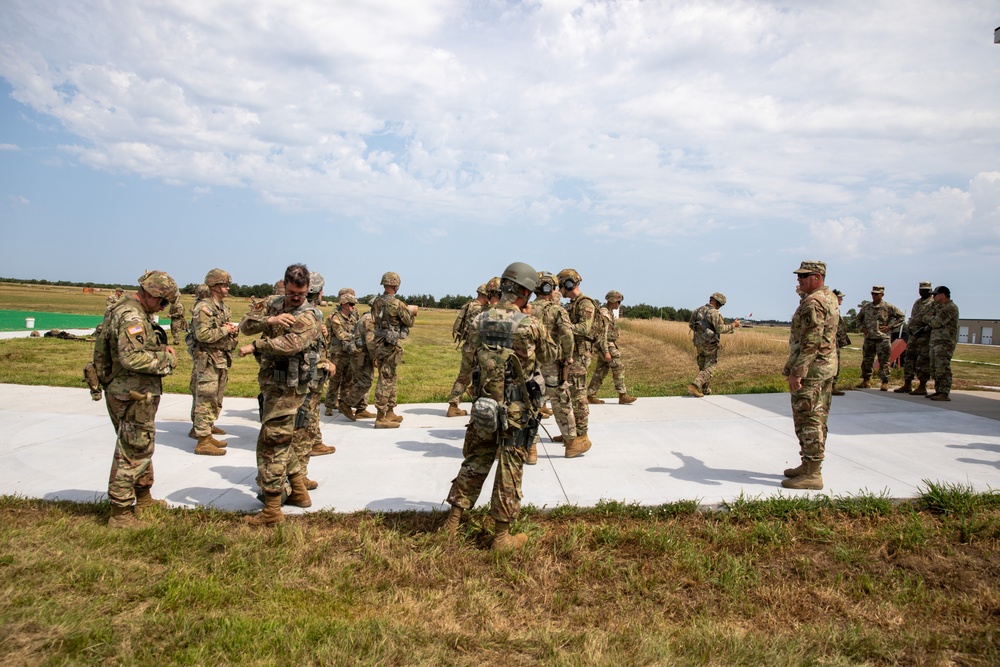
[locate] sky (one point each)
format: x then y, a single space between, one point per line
668 150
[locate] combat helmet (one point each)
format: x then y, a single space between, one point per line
391 279
614 295
159 284
348 297
719 297
316 283
218 277
346 290
568 275
546 283
202 291
482 291
520 274
493 285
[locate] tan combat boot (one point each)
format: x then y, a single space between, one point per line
328 412
559 438
796 471
364 413
578 445
311 484
389 414
455 411
192 434
884 386
206 447
810 479
346 410
938 396
905 389
837 392
921 389
865 384
217 431
382 421
270 515
450 525
504 541
144 501
694 390
532 458
625 399
593 400
122 517
299 497
319 449
545 411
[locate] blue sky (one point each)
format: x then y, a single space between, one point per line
664 149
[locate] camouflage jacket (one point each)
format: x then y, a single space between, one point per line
462 327
611 332
554 318
340 329
919 324
586 337
812 344
364 335
209 336
943 322
872 317
176 311
392 320
139 357
707 325
289 356
843 340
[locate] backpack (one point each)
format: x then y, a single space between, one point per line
99 372
599 326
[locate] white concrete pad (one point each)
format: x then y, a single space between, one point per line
58 443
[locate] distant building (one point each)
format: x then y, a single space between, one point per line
980 332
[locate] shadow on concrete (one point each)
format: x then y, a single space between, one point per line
402 505
982 447
77 495
432 449
694 470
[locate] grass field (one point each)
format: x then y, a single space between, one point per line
787 581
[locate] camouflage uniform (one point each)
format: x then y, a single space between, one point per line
307 439
211 347
616 366
178 324
877 342
139 359
918 354
943 321
555 320
340 347
502 384
843 340
582 311
286 355
362 366
461 334
707 326
392 322
812 356
112 301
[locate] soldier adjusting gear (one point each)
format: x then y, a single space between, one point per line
521 274
391 278
218 277
719 297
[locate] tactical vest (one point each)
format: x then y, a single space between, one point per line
301 371
385 329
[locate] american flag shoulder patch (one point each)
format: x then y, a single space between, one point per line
206 310
137 329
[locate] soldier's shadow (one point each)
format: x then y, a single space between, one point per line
694 470
432 449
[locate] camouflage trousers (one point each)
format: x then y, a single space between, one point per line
362 374
208 387
578 391
464 375
941 354
616 367
562 401
132 466
178 329
917 362
479 451
708 359
340 381
810 411
838 368
276 458
386 387
307 428
871 348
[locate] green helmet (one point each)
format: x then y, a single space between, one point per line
158 284
218 277
614 295
391 279
720 298
521 274
316 282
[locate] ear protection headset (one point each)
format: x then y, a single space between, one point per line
568 284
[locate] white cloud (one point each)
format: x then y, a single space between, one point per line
19 200
9 147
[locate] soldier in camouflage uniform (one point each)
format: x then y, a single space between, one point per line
178 324
493 290
611 359
460 333
507 342
139 358
588 335
707 326
917 362
212 340
943 321
843 340
291 331
555 320
340 326
811 366
114 299
876 320
392 319
354 405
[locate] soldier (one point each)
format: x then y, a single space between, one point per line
460 334
354 405
392 319
178 324
611 359
707 326
114 299
340 327
588 334
507 342
287 350
811 366
493 290
555 320
212 341
139 357
876 320
943 321
918 354
843 340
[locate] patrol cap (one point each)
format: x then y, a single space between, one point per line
838 293
159 284
316 282
811 266
924 284
614 295
391 278
348 298
941 289
720 298
218 277
878 289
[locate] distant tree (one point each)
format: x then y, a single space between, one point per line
851 320
683 315
453 302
